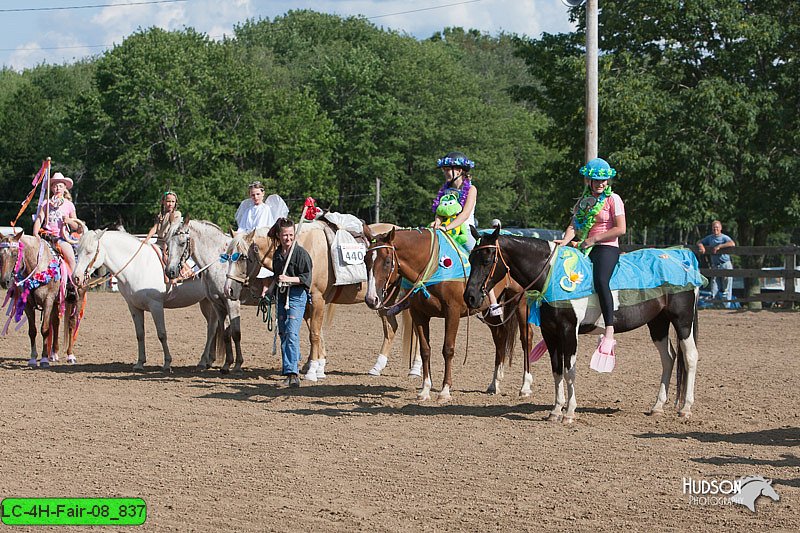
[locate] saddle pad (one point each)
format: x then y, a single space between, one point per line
638 276
453 263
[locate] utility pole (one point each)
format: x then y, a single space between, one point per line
377 199
591 79
591 131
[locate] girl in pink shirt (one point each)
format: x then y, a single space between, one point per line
57 216
598 222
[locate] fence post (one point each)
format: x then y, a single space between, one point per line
789 264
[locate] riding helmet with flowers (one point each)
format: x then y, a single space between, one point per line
455 159
598 169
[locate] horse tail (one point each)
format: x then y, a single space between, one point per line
408 336
330 311
509 329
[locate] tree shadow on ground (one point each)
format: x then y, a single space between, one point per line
783 436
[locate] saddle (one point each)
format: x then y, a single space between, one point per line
70 292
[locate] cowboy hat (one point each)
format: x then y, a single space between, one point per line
58 177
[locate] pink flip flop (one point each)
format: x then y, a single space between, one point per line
604 358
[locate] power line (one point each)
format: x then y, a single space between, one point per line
171 1
65 8
424 9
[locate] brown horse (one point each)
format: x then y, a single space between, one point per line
36 262
412 255
256 249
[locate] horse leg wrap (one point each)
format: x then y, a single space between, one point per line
380 364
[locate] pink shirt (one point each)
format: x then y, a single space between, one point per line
606 217
55 217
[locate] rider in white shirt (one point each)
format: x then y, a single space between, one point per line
256 212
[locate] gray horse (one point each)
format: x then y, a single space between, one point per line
203 242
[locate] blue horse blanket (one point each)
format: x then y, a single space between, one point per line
453 264
644 274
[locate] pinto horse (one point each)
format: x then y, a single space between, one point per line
528 261
255 249
412 255
37 263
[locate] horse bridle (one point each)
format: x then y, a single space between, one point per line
395 285
499 253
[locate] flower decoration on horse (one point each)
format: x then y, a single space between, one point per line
449 208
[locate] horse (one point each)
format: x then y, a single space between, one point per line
411 254
255 249
140 278
204 242
528 260
36 268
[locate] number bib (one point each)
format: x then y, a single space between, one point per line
353 253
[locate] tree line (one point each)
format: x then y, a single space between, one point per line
699 112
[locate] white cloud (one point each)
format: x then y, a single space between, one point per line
89 30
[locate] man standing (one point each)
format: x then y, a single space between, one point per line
714 243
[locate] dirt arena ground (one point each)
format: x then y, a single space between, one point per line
358 453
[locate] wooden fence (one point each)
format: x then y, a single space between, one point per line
764 286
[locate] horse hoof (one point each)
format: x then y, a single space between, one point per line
442 399
304 370
166 369
655 412
552 417
44 363
525 394
491 389
224 370
423 396
685 414
72 360
238 370
567 420
415 373
138 368
32 363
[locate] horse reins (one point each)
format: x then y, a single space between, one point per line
499 253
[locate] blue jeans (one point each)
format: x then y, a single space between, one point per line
725 283
289 321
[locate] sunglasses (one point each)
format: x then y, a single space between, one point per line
235 256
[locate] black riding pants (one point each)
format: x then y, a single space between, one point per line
604 259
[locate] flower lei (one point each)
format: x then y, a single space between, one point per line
587 212
462 193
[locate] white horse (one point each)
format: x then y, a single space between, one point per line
140 278
204 242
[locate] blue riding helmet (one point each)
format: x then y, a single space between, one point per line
598 169
455 159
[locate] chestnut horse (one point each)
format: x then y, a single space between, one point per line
528 260
412 255
36 262
255 249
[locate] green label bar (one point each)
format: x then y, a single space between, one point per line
73 511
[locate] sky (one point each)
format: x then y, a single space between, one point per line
31 34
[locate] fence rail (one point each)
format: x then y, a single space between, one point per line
754 291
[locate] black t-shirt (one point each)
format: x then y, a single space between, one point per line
299 264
